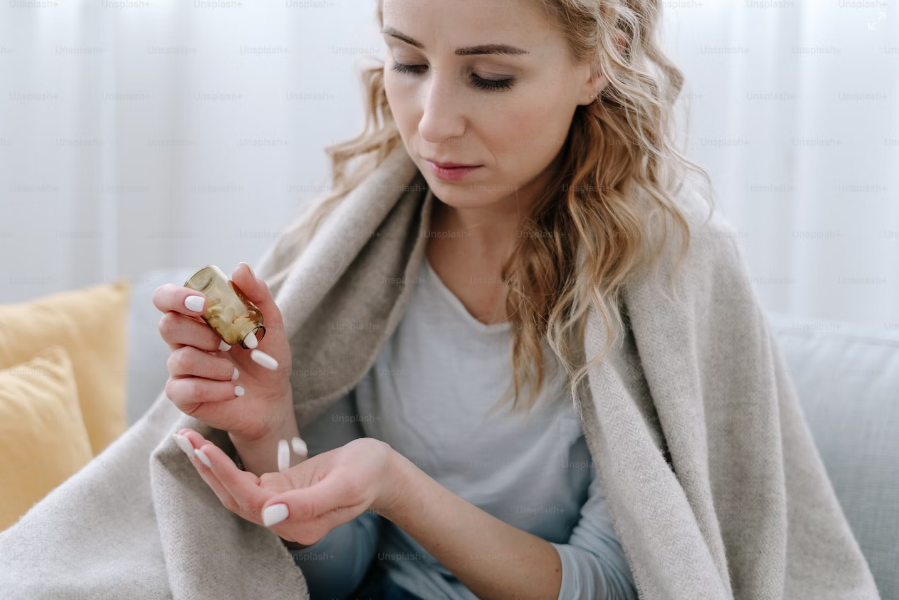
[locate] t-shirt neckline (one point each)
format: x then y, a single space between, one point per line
459 306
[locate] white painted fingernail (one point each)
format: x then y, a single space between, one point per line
238 391
274 514
251 341
261 358
283 456
203 458
299 447
183 443
194 303
236 374
223 347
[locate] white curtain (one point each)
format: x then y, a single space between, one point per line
138 135
178 134
795 114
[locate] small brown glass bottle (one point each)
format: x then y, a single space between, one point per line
228 311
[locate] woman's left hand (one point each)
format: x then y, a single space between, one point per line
305 502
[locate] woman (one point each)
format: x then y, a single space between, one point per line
497 105
505 112
537 248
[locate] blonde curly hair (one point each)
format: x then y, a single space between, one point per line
588 233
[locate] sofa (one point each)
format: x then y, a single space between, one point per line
847 379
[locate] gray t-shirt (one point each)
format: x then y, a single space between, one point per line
427 395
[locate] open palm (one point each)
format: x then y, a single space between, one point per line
303 503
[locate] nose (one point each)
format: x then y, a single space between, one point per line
443 115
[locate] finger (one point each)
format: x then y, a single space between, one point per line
171 297
308 501
177 329
188 360
310 531
189 393
196 440
256 290
242 485
317 510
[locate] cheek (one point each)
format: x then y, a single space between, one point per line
401 97
398 101
528 133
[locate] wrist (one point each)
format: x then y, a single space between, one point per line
400 483
259 453
278 424
283 426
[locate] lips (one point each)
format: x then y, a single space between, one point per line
450 165
450 171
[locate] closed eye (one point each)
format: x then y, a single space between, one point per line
478 82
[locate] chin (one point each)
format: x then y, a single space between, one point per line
459 194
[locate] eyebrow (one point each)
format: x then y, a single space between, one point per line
467 51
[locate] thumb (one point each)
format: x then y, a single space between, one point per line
256 290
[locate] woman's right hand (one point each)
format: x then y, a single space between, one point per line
257 404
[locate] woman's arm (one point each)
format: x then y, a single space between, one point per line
593 562
304 503
490 557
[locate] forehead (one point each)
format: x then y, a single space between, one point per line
442 26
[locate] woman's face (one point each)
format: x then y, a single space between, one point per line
481 82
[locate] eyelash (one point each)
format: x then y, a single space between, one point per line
479 82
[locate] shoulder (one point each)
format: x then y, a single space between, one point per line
712 268
705 312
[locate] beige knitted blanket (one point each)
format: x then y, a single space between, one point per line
712 479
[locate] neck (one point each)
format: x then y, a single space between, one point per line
491 231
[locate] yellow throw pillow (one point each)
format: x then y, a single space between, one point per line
43 440
91 324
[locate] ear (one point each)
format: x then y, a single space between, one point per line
592 86
598 81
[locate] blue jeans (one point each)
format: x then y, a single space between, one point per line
394 592
382 587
